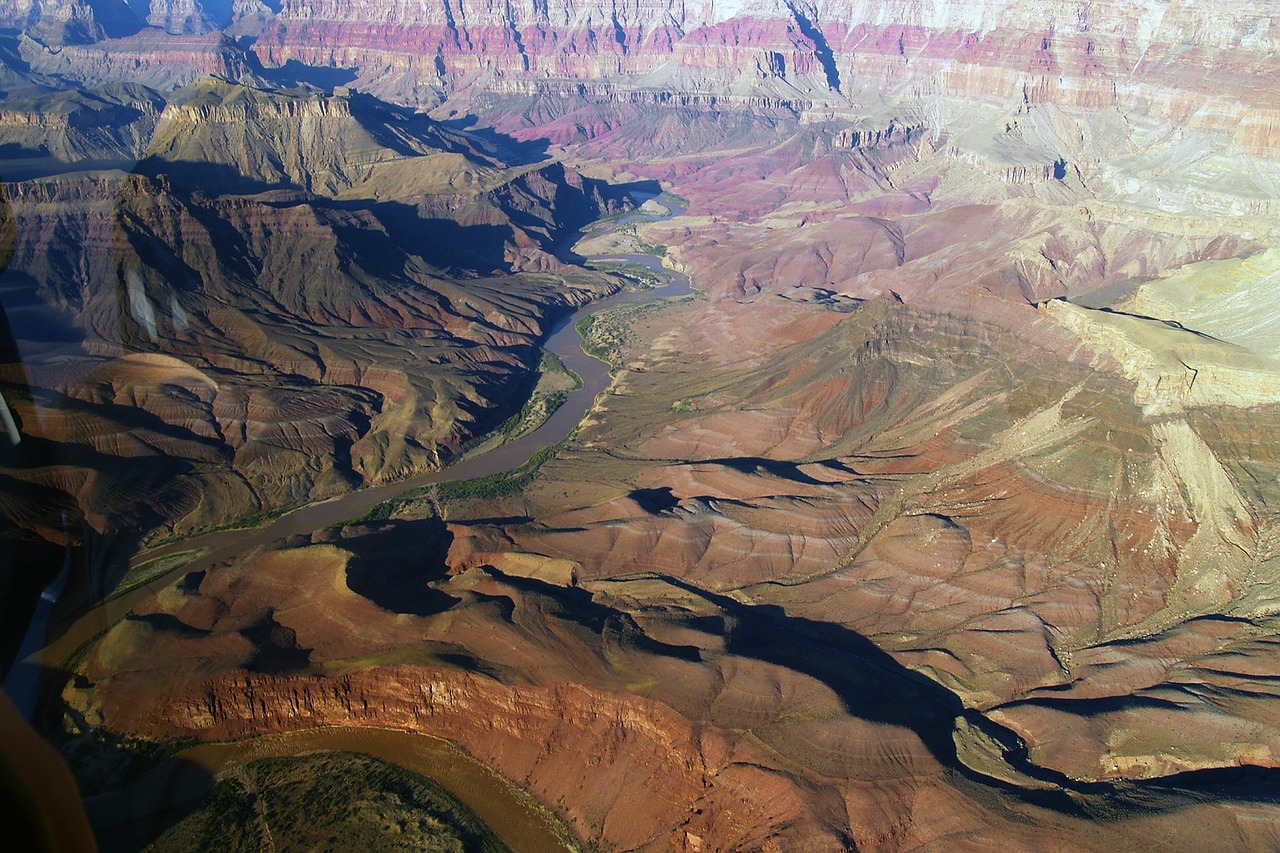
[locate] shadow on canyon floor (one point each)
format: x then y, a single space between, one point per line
395 565
875 687
507 148
294 74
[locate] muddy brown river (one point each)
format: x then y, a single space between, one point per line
511 812
222 545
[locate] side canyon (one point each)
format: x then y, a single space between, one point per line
936 516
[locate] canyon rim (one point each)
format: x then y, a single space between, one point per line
910 485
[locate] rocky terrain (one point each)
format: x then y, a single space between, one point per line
941 517
254 290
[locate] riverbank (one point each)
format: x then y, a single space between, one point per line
188 777
223 545
501 803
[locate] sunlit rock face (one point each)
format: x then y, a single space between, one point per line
942 516
211 296
1206 69
1166 59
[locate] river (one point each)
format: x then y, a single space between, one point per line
222 545
512 814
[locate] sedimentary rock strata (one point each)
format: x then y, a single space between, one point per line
940 516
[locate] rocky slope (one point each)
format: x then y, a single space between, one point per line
235 313
943 518
1132 57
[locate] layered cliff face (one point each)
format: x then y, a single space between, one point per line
943 516
1176 61
1164 61
289 296
53 22
1082 571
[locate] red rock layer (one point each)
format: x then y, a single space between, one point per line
1172 61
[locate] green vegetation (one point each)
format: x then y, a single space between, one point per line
554 384
637 274
501 485
551 393
666 199
594 342
641 245
383 511
103 760
607 218
488 488
605 334
328 801
533 414
148 570
647 248
242 524
552 364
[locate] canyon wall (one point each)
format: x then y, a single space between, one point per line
1176 61
936 515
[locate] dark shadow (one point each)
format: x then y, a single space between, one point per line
51 451
29 561
1173 324
462 659
821 50
837 465
233 255
18 151
190 583
32 318
508 149
169 624
655 500
11 53
615 198
30 565
577 605
395 564
874 686
397 128
34 166
756 464
220 12
209 178
118 20
102 560
503 521
639 191
109 115
294 75
133 789
445 243
1086 708
276 646
1153 639
139 813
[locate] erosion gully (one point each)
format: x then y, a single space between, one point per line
512 814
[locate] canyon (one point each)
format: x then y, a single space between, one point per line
939 516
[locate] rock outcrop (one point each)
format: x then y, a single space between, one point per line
943 516
246 295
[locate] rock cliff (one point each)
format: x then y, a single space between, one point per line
242 300
943 516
